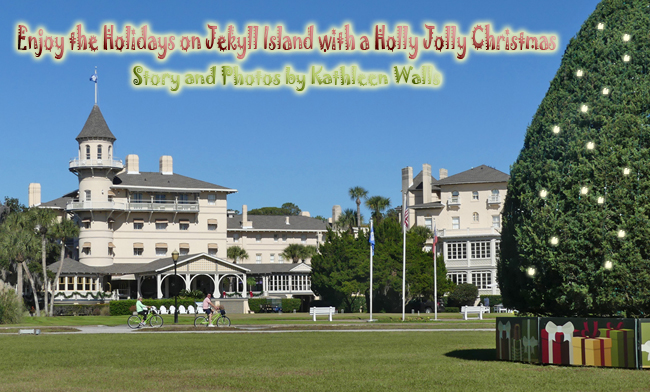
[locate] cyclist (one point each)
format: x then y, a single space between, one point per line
142 310
207 308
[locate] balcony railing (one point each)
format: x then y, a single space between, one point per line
453 201
189 206
132 206
94 205
80 163
494 199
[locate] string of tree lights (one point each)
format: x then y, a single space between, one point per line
576 220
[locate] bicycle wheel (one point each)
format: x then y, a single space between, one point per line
201 321
156 321
223 321
134 322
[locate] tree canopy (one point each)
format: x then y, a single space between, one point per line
576 219
286 209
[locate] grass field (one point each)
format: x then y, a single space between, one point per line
300 361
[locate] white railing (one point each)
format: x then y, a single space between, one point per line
94 205
164 206
453 201
465 232
115 163
494 199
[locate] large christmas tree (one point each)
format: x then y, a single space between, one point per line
576 220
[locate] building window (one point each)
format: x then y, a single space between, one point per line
161 251
87 152
428 223
185 225
482 280
111 252
456 250
61 283
497 249
258 238
138 250
212 226
183 198
161 225
88 284
280 259
70 283
110 152
235 237
475 217
455 222
284 238
480 249
138 224
185 251
88 195
160 198
303 239
258 258
212 251
272 258
136 197
454 198
85 223
212 199
86 250
474 195
275 238
496 221
457 277
80 283
99 152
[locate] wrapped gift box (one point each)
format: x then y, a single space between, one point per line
622 351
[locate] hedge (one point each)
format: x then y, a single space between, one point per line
291 304
81 310
123 307
494 299
452 309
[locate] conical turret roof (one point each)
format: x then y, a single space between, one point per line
95 127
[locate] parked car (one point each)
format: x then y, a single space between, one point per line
424 306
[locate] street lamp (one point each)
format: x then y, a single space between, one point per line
175 258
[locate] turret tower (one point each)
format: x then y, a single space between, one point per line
96 167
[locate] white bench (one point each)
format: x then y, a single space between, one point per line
321 311
465 310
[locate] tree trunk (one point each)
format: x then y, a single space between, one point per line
31 282
56 279
45 280
19 280
358 213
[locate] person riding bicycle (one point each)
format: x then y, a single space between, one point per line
142 310
207 308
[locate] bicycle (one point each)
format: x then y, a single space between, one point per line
155 320
221 321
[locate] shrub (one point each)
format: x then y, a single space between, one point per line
255 303
81 310
494 299
452 309
289 304
464 295
11 308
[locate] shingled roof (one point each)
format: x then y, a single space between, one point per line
62 201
480 174
158 180
417 183
278 223
96 127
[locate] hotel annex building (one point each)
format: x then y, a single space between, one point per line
131 221
466 211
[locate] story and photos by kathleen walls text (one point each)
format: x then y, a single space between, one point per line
276 40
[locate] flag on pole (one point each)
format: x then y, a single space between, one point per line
372 239
435 235
93 78
406 215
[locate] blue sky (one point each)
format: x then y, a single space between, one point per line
275 146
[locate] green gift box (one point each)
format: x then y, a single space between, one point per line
622 346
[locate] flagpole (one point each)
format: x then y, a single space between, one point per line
95 85
404 259
371 254
435 279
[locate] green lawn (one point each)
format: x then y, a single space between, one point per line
303 361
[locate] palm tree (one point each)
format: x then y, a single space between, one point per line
356 194
44 220
309 251
346 220
377 204
293 252
236 253
19 244
62 231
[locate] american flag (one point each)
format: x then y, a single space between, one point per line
406 215
435 235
